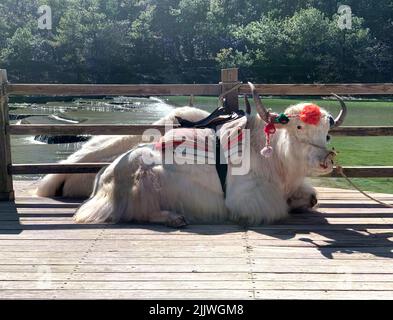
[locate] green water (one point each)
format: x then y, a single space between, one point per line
353 151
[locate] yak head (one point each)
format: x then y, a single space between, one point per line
305 127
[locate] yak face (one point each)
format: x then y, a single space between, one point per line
308 128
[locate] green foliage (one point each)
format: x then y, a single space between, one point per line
189 40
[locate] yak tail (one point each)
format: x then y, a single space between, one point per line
99 209
51 186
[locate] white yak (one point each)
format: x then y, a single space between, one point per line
130 190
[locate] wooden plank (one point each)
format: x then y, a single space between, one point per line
320 277
81 129
365 172
273 268
73 168
6 185
229 79
129 261
63 168
367 131
144 285
309 268
127 294
112 129
118 277
321 89
274 235
218 276
197 285
323 295
114 89
46 254
198 89
261 264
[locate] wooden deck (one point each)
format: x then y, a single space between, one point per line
343 252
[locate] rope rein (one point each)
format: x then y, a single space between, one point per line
340 170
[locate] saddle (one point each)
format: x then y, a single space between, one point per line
219 120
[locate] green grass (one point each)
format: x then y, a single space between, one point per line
353 151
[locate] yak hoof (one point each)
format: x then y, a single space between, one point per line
177 221
313 201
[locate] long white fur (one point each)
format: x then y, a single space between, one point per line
101 149
129 190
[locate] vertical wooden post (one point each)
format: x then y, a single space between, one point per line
6 184
230 78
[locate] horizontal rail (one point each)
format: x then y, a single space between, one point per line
37 129
114 90
365 172
370 131
321 89
56 168
354 172
108 130
197 89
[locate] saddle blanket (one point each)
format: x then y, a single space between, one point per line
201 146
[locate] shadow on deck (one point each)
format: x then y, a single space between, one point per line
342 251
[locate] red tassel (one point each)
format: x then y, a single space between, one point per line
311 114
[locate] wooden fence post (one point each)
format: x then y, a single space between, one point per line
6 184
230 78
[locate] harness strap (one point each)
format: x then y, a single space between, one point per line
221 168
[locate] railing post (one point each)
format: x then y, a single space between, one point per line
230 78
6 184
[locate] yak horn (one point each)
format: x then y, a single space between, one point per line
248 105
262 111
343 113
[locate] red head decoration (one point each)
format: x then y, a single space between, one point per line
311 114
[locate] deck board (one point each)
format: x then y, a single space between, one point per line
345 251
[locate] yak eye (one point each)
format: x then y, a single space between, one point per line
328 138
332 122
299 127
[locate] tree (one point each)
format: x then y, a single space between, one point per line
158 41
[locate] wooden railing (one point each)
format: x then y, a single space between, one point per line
229 78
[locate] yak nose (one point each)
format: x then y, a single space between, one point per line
329 160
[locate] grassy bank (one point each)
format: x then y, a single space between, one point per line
353 151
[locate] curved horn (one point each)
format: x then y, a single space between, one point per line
262 111
248 105
343 113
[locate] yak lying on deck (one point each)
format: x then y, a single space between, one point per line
131 190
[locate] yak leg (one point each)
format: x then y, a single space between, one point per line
254 201
304 198
168 218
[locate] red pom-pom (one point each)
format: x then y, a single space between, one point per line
311 114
